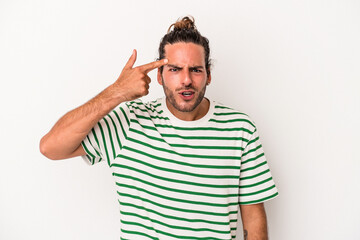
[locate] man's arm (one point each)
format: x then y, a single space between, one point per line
64 139
254 222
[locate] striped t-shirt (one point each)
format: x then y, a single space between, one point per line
180 179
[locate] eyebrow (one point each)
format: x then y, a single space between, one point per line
193 67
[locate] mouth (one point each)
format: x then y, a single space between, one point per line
187 94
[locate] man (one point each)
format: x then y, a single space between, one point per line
183 165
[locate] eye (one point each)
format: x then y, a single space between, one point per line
173 69
197 70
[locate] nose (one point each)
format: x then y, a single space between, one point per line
187 81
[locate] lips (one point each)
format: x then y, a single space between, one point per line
187 94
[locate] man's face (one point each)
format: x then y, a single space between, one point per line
184 78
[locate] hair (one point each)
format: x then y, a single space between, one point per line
184 30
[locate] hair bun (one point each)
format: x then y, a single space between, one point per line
187 22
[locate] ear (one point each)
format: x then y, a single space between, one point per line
208 81
159 79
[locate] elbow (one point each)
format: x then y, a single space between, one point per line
45 149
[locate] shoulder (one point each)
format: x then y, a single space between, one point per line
139 107
230 116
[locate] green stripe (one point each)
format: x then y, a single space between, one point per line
254 140
181 162
175 208
138 233
170 179
252 150
254 158
92 159
223 107
183 154
256 184
176 190
254 176
207 147
104 141
157 105
89 159
147 109
100 155
149 118
140 103
148 136
172 217
252 168
96 139
232 120
204 137
126 118
228 113
260 200
166 233
116 131
173 226
184 145
122 128
190 128
110 138
257 192
202 128
137 224
233 220
175 171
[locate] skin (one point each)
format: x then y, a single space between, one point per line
184 70
254 221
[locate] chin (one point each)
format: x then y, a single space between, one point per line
186 106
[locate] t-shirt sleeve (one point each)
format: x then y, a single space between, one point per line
256 182
107 137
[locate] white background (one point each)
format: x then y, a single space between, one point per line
293 66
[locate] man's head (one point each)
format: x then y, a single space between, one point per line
187 73
184 30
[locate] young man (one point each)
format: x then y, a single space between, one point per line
183 164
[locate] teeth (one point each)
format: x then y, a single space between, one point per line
186 93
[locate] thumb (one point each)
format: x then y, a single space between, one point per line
130 63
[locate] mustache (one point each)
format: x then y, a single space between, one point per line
186 89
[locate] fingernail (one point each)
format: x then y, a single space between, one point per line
165 60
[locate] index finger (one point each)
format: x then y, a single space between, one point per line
151 66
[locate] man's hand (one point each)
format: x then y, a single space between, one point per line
64 139
133 82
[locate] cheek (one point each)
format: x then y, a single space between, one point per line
170 79
169 75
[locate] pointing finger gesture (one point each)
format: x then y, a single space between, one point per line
134 82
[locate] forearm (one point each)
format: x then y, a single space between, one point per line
64 139
66 135
254 222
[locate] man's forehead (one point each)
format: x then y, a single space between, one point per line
185 54
183 47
